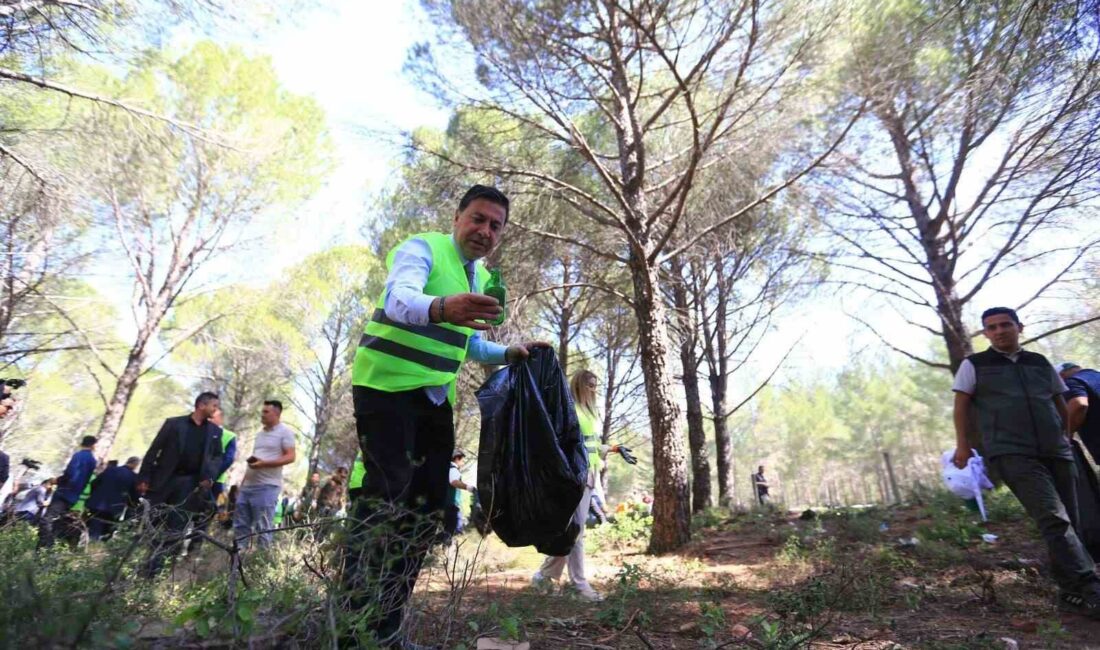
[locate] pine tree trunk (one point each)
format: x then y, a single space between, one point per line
697 439
671 494
120 400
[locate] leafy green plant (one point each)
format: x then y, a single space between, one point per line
616 609
629 528
712 619
1053 633
957 530
780 635
710 518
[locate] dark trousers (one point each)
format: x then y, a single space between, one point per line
451 522
407 443
180 502
1047 490
101 525
58 508
1092 443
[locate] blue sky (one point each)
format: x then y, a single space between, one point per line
349 58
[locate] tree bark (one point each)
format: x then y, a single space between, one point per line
689 361
125 385
671 494
890 475
717 355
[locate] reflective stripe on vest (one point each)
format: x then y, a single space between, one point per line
394 357
431 330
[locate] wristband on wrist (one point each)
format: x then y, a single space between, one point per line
442 301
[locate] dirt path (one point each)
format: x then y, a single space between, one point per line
852 581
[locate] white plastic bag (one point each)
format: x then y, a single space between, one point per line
968 482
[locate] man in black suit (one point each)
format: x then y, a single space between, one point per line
112 492
177 473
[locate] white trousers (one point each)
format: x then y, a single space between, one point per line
552 566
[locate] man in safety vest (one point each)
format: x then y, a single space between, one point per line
229 451
423 327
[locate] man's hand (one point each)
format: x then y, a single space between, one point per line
468 310
519 353
142 487
962 457
206 484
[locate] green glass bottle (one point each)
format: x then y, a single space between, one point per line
495 288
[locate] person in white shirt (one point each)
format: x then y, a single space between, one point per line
263 480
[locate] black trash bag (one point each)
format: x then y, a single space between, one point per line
532 465
1088 502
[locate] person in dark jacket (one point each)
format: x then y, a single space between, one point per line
69 487
112 492
1084 389
177 474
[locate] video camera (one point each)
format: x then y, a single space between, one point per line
13 384
31 463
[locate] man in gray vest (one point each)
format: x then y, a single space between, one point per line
1016 400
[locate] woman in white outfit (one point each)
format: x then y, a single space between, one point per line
583 386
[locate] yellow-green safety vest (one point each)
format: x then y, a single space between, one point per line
277 520
79 505
227 437
587 420
395 357
358 473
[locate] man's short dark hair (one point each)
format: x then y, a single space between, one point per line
993 311
88 441
205 397
491 194
275 404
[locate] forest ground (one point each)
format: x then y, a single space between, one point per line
849 578
913 576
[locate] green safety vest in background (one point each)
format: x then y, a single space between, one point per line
358 473
79 505
280 507
394 357
227 437
587 421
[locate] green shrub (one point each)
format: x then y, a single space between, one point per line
58 597
629 528
1003 506
710 518
957 530
617 607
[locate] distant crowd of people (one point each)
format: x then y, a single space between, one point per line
183 478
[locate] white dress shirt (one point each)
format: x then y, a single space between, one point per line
407 303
